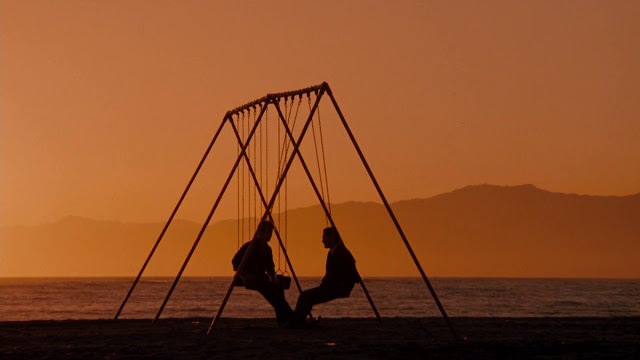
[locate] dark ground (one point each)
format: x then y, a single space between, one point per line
484 338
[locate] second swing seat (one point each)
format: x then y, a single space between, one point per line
283 281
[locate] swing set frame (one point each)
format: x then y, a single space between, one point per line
263 103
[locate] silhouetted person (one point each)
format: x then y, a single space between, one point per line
338 281
258 271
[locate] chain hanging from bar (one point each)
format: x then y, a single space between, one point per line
279 201
255 188
322 169
240 177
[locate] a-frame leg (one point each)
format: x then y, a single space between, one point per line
213 209
276 190
296 151
391 214
175 210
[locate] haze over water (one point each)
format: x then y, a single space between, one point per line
99 298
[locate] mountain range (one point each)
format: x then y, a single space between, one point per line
476 231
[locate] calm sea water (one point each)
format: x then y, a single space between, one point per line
99 298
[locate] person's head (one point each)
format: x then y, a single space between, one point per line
264 230
330 237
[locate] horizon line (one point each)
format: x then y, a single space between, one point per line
320 276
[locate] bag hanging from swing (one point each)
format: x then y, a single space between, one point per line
283 281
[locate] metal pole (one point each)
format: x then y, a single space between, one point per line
230 290
393 217
324 205
226 297
175 210
366 292
273 197
213 209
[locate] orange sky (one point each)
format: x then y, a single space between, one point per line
106 107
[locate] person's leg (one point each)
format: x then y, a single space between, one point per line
275 296
308 299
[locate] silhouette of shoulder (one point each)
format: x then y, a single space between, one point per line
341 268
260 258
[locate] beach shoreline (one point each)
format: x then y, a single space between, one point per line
540 338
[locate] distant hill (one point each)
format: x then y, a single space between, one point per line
483 230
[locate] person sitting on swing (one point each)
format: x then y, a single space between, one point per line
258 271
338 281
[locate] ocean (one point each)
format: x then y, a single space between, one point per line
99 298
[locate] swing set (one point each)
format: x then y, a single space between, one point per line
250 124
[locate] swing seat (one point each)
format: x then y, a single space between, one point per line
247 281
283 281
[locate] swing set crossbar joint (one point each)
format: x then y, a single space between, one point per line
276 97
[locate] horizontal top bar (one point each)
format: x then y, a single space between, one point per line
271 97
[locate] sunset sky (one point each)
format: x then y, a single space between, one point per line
107 106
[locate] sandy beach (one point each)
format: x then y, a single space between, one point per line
517 338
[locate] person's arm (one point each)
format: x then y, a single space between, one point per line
270 266
347 268
340 268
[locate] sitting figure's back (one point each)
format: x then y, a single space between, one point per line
340 274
